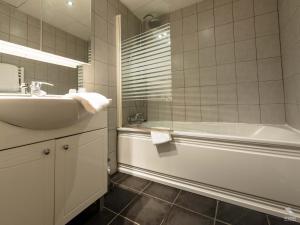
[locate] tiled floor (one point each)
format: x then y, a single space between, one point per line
133 200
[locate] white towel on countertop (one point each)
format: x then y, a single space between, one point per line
91 101
160 136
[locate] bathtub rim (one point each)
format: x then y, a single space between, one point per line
225 138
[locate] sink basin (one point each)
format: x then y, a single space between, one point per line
47 112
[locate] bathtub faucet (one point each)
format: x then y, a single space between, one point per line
137 118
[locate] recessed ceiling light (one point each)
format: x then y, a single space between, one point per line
70 3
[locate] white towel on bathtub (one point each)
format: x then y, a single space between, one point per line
92 102
160 136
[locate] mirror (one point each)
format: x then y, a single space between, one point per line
60 27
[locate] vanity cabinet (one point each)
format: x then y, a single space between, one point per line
27 185
80 173
51 182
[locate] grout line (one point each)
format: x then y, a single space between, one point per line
216 212
256 60
223 222
152 196
172 204
131 201
235 65
216 64
281 62
117 214
268 220
195 212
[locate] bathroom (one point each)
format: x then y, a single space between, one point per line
164 112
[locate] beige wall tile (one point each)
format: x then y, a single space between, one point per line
207 57
245 50
267 24
264 6
226 74
206 20
223 14
208 76
246 71
206 38
225 54
209 95
271 92
248 93
268 46
249 113
244 29
224 34
243 9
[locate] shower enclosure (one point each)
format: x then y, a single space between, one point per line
146 74
223 77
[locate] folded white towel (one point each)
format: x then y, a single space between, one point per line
160 137
92 102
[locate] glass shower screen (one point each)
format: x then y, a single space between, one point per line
147 79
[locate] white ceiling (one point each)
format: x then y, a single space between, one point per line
74 19
156 7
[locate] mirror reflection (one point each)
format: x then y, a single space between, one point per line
59 27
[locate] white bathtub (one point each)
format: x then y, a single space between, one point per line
243 132
257 166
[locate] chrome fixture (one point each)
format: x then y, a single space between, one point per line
24 88
137 118
35 88
150 22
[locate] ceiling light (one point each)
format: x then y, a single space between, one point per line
70 3
34 54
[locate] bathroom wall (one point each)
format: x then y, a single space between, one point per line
19 28
103 77
289 14
226 64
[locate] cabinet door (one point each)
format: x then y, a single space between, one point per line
80 173
27 185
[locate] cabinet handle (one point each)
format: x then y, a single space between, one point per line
66 147
46 151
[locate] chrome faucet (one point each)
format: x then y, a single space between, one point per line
35 88
137 118
24 88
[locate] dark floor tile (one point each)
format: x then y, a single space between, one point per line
220 223
86 214
147 211
118 198
122 221
180 216
237 215
280 221
135 183
197 203
118 177
162 191
101 218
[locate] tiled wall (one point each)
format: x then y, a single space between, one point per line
19 28
226 64
289 14
103 78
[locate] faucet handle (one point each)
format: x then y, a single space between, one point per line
24 88
35 88
40 83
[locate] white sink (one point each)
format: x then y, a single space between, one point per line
47 112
